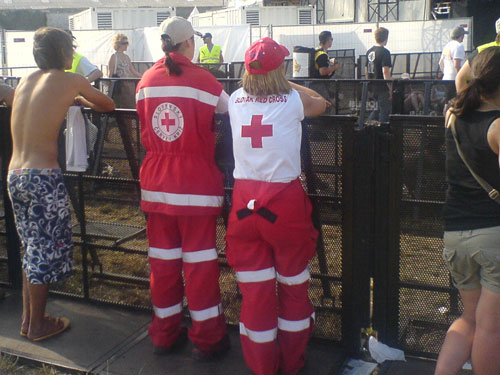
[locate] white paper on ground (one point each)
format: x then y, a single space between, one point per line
76 144
381 352
358 367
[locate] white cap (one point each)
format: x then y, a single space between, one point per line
497 25
178 29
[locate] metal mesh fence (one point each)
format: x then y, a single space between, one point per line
218 70
111 245
5 149
345 57
419 65
427 302
323 160
108 225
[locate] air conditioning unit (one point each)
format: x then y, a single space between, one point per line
252 17
257 15
119 18
305 16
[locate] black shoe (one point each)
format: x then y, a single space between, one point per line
181 341
219 350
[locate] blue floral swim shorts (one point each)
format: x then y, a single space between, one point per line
43 221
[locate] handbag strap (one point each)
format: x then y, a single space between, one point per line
116 63
492 192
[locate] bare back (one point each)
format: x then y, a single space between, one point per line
40 104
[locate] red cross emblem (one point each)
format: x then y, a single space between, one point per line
168 122
256 130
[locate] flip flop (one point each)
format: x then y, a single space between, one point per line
25 334
65 325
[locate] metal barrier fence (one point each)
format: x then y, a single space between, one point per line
405 290
427 301
108 226
423 65
347 96
376 192
221 70
345 57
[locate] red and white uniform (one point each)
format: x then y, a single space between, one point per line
270 236
182 192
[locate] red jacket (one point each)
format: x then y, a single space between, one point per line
179 175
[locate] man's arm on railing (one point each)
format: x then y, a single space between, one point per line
94 76
314 104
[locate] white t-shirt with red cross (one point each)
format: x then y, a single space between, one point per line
266 136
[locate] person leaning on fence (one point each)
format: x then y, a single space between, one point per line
36 187
465 73
182 194
378 66
270 236
472 220
81 65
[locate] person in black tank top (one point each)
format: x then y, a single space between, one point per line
472 221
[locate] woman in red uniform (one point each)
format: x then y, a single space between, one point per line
270 235
182 193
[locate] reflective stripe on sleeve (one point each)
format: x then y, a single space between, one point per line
294 280
182 199
199 256
295 325
259 336
167 311
165 254
211 312
177 92
256 276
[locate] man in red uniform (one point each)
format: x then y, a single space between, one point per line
182 193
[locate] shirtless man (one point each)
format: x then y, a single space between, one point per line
36 187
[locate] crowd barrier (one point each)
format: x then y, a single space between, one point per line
377 194
419 65
351 97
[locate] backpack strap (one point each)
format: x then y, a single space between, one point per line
492 192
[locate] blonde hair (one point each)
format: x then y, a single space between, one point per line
272 83
117 39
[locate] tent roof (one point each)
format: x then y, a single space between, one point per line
71 4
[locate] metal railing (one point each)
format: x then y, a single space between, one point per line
376 192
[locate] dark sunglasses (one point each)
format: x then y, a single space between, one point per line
124 43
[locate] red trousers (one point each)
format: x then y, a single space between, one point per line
176 244
275 323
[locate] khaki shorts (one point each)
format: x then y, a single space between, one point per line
473 258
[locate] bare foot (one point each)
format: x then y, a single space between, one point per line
24 327
50 327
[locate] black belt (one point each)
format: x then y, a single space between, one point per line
262 211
